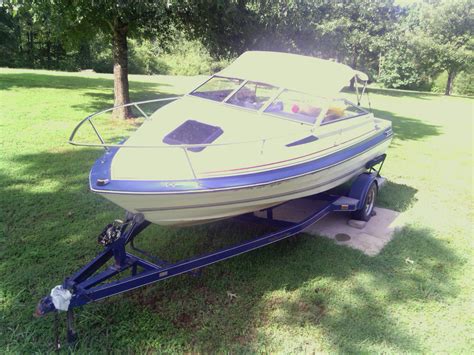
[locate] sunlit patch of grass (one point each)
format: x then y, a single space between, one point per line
306 294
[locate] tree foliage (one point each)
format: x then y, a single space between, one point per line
436 36
448 37
9 35
399 46
399 70
226 27
357 32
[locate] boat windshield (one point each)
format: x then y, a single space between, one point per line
253 95
297 106
217 88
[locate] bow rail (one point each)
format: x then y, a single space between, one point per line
261 142
103 144
90 117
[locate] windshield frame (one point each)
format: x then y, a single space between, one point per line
264 105
193 92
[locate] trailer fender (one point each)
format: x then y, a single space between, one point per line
360 187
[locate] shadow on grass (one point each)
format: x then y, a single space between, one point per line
353 319
363 317
406 128
403 93
395 93
50 223
398 197
31 80
101 101
99 89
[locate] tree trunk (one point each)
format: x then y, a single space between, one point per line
120 50
449 83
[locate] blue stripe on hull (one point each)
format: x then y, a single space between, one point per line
101 170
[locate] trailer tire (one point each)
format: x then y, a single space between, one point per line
367 209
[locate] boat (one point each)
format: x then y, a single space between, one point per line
266 130
269 128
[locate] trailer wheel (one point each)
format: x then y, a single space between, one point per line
367 209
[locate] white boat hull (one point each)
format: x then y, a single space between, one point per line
188 208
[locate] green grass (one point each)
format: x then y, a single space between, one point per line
301 295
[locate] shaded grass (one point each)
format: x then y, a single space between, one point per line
305 294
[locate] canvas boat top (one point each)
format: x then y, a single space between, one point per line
311 75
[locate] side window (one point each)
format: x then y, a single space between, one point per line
341 109
252 95
297 106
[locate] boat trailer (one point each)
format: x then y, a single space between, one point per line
89 284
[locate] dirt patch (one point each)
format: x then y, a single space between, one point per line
342 237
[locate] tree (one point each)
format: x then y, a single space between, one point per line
78 20
118 20
28 37
447 39
433 37
399 67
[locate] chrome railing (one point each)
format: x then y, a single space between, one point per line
90 117
262 142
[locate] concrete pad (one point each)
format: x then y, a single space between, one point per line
370 238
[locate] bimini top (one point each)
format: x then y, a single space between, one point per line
291 71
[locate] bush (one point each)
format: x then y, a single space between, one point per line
218 65
464 83
144 58
101 54
67 62
183 57
186 57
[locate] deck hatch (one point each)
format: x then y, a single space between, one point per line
193 132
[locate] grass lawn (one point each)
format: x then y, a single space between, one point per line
304 294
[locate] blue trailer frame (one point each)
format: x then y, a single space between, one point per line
89 284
